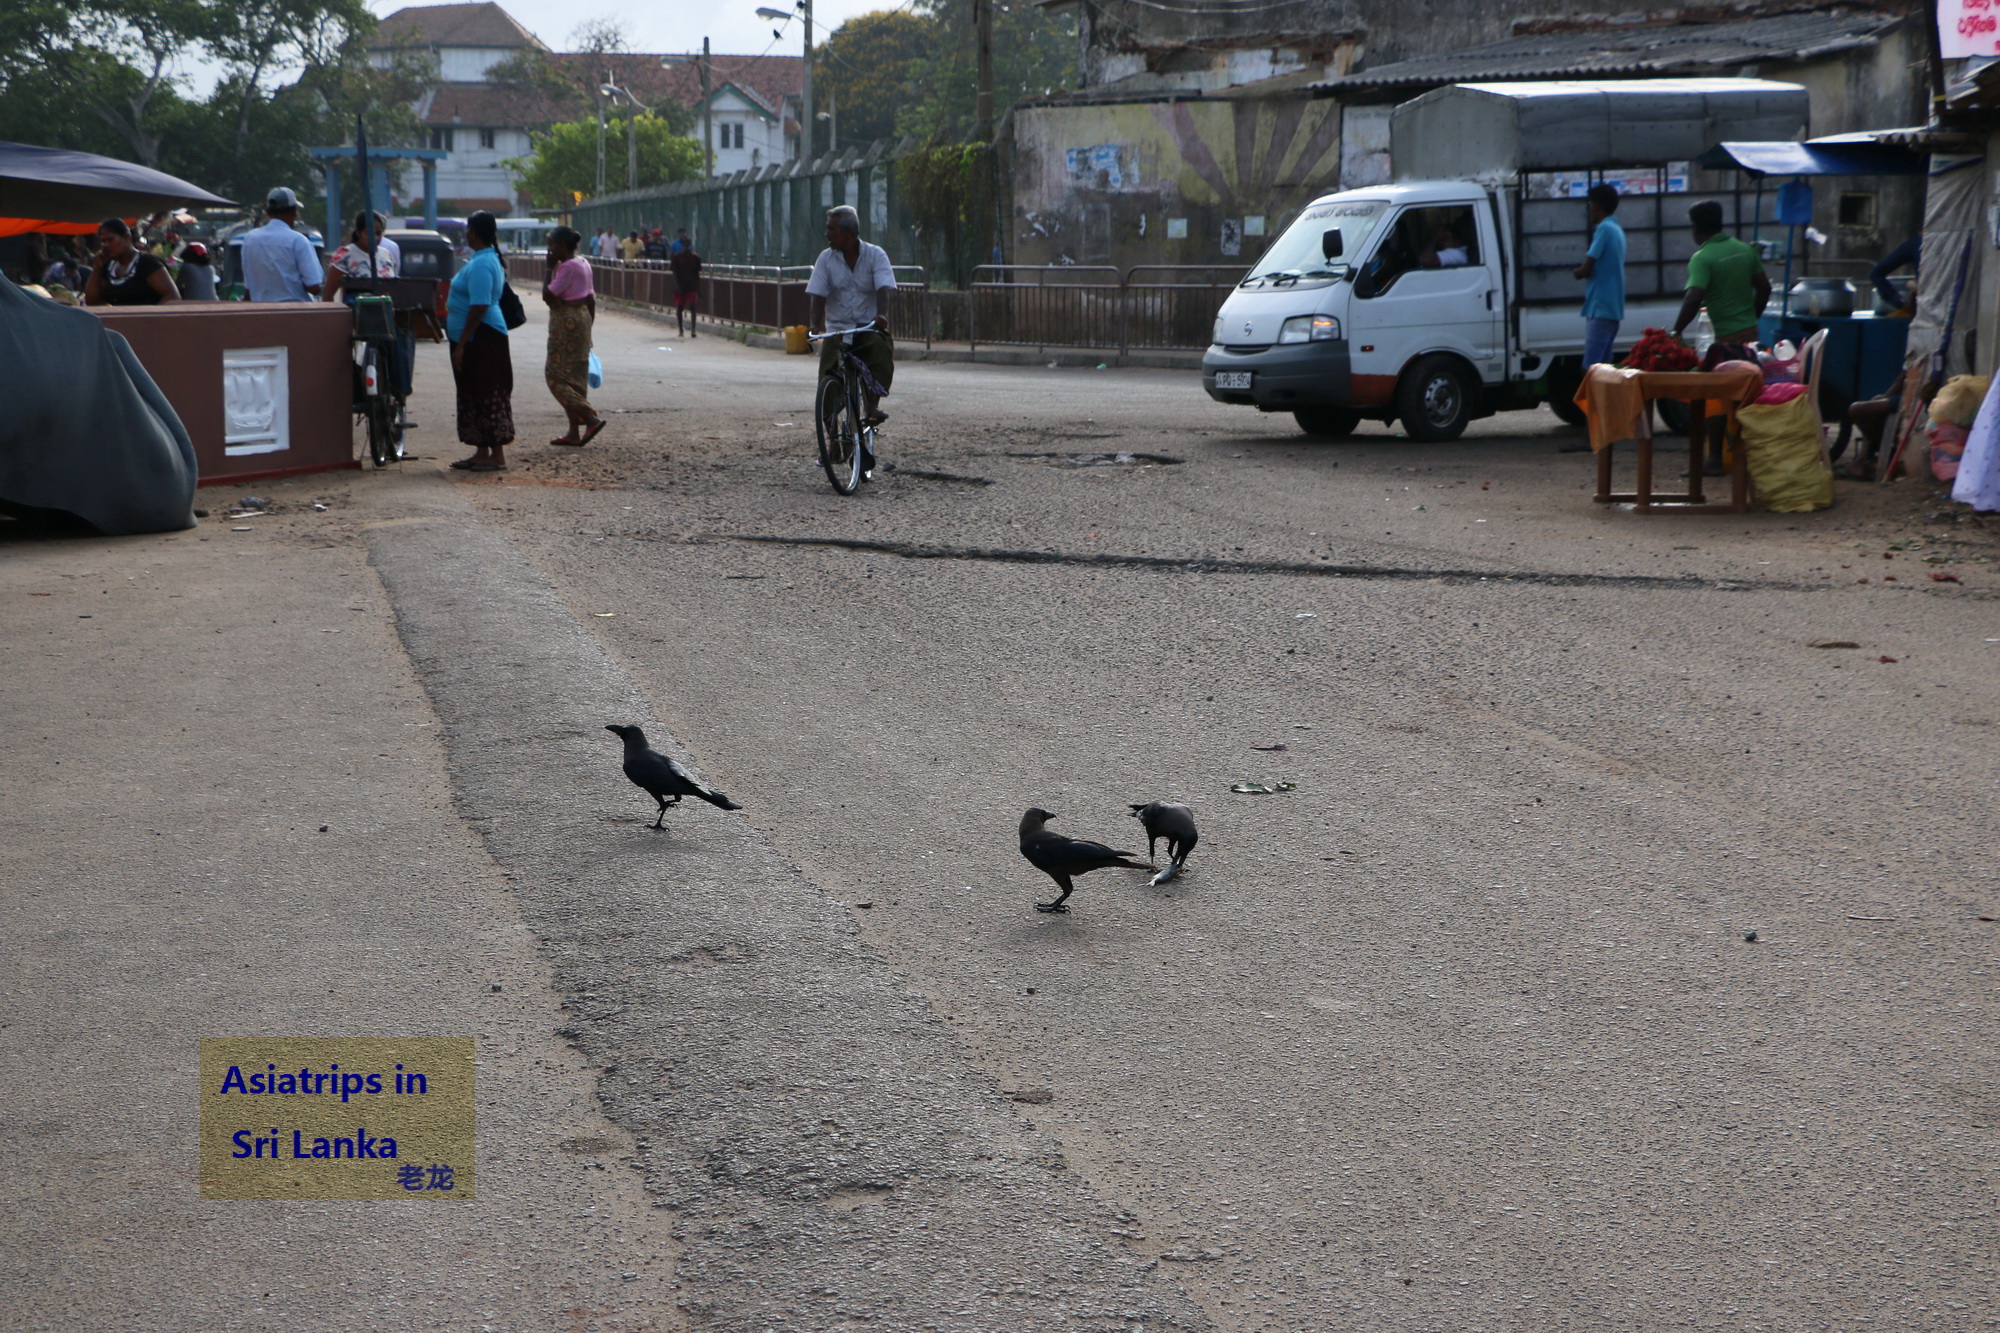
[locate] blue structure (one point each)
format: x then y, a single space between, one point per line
378 171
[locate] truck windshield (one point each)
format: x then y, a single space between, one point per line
1299 254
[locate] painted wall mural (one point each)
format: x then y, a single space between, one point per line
1192 182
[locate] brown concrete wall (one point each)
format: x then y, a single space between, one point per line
181 346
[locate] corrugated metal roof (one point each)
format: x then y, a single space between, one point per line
1637 50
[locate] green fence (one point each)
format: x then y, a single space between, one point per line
777 215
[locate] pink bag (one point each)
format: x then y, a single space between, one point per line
1782 392
1947 447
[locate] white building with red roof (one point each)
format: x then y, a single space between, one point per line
752 105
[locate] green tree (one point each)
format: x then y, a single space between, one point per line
1034 53
563 166
96 75
869 69
114 56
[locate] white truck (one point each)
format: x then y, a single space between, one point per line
1449 294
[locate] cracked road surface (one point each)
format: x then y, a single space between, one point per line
1461 1031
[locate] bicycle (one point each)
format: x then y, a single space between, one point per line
379 388
846 440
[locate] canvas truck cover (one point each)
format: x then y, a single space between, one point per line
84 428
1491 131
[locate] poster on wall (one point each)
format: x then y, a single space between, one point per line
1232 237
1968 28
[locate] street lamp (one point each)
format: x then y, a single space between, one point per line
805 11
631 132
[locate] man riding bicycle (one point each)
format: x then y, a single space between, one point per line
849 289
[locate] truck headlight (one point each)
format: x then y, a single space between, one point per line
1215 334
1309 329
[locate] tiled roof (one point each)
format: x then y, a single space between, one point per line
451 25
765 79
487 106
1638 50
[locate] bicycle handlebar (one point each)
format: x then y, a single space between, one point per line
841 333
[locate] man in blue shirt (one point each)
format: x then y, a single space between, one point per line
1603 272
279 263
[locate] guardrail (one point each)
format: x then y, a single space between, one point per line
1149 306
1146 307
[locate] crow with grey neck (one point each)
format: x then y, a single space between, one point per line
1060 858
1175 823
663 779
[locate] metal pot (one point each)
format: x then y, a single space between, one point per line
1819 297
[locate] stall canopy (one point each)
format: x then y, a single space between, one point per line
58 190
1835 155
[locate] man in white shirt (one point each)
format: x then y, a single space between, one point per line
849 289
279 263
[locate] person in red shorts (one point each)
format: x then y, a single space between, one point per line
686 265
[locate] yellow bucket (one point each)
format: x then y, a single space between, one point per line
795 340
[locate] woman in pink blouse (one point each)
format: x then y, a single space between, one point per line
572 300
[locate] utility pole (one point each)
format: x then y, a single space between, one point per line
600 130
982 96
832 114
631 142
707 117
806 94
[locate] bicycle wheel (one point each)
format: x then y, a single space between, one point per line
838 426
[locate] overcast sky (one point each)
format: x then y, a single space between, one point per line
731 26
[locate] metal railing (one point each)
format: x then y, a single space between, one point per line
1148 307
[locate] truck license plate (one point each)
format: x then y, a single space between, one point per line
1232 379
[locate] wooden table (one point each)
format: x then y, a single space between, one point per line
1618 405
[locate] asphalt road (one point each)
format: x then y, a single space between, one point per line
1462 1031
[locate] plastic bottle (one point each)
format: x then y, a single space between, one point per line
1701 334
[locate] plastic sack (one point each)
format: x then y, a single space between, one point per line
1782 391
596 372
1958 401
1782 444
1947 447
1782 364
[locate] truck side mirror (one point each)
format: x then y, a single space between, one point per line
1329 243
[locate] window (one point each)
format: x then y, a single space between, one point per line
1446 237
732 136
1857 208
486 138
441 138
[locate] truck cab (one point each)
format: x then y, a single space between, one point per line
1383 303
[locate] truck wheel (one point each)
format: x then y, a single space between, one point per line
1435 400
1565 378
1329 423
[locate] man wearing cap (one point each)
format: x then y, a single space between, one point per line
279 263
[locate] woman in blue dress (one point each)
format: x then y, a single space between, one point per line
481 362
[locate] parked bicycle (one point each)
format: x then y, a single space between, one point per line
381 378
846 439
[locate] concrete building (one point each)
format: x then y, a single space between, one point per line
477 124
1200 129
480 123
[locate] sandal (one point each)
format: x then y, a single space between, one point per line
591 434
487 467
462 465
567 444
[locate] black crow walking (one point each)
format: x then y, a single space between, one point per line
1175 823
663 779
1059 858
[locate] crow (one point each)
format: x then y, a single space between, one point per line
1059 858
660 776
1175 823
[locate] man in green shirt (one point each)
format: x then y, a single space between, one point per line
1727 276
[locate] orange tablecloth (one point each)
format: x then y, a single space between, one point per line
1614 399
